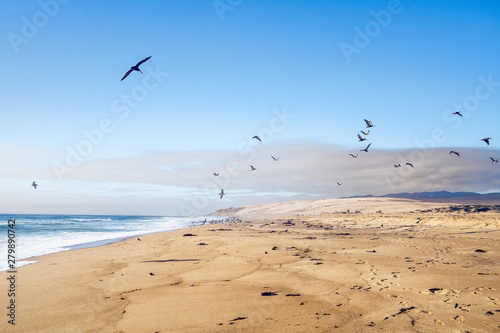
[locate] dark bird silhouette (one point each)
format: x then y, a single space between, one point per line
222 193
365 133
369 124
493 160
397 165
458 113
253 168
487 140
409 164
339 183
257 138
366 149
354 156
455 152
215 174
35 185
135 68
361 139
275 159
138 238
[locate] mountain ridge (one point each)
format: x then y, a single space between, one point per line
435 196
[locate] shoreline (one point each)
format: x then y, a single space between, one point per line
298 273
98 243
111 238
87 245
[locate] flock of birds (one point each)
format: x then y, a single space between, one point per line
369 124
486 140
252 168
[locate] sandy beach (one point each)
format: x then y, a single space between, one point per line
344 265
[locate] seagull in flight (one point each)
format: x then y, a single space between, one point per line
135 68
397 165
366 149
493 160
35 185
455 152
221 193
275 159
409 164
339 183
369 124
361 139
458 113
365 133
215 174
354 156
487 140
257 138
253 168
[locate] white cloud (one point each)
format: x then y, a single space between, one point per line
175 182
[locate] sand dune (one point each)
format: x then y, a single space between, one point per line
321 206
305 268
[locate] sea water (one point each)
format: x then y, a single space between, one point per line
36 235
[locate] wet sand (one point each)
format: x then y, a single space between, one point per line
406 268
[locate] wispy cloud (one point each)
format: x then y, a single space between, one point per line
304 171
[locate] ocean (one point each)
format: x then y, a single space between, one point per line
36 235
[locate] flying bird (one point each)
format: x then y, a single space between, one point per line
458 113
35 185
361 139
215 174
365 133
257 138
135 68
455 152
493 160
275 159
409 164
369 124
397 165
354 156
487 140
339 183
366 149
138 238
253 168
221 193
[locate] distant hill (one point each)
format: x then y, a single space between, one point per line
443 196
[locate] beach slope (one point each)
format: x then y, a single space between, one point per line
393 266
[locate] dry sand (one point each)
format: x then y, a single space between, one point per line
304 268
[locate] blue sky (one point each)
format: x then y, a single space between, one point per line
302 74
